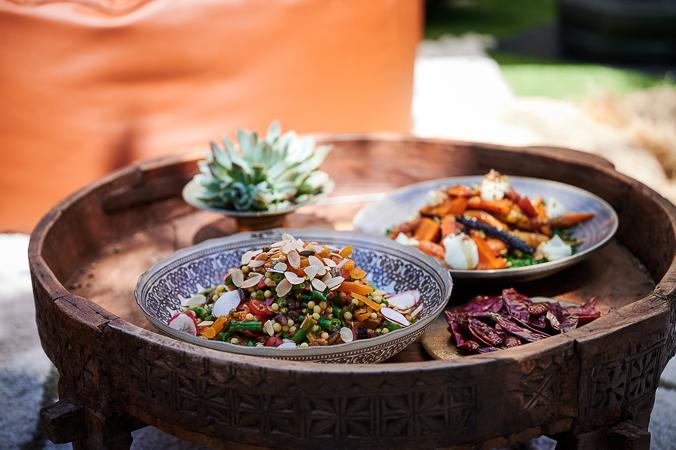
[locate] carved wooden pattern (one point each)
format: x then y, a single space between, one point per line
627 374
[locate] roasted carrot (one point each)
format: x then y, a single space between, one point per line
487 259
570 219
431 249
485 217
428 230
353 286
497 246
449 226
502 207
460 190
455 205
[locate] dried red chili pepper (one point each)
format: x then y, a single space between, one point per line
484 333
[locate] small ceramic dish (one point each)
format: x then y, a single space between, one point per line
392 267
253 220
403 204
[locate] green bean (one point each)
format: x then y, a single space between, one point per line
302 332
253 325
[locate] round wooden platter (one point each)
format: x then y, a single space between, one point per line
589 387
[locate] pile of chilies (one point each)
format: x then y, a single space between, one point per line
489 323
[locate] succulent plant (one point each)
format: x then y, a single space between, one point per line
262 175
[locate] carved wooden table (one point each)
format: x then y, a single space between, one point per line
591 388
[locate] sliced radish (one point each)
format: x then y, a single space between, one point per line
394 316
404 300
194 300
226 303
283 288
346 334
183 322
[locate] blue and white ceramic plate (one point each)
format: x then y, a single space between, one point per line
404 204
390 266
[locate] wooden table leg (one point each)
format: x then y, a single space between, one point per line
106 433
68 421
623 436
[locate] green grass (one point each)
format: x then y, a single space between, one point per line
499 18
529 76
568 81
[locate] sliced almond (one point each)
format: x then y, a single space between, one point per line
237 277
327 277
288 238
278 244
283 288
335 282
346 335
394 316
315 248
329 262
256 263
311 271
293 278
268 327
248 256
288 247
294 259
280 267
314 261
318 285
205 323
194 300
252 281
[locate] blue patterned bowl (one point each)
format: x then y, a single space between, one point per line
390 266
403 204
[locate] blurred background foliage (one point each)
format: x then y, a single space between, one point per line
529 73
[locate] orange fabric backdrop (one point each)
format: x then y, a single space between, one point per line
90 86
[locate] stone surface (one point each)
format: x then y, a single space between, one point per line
662 423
